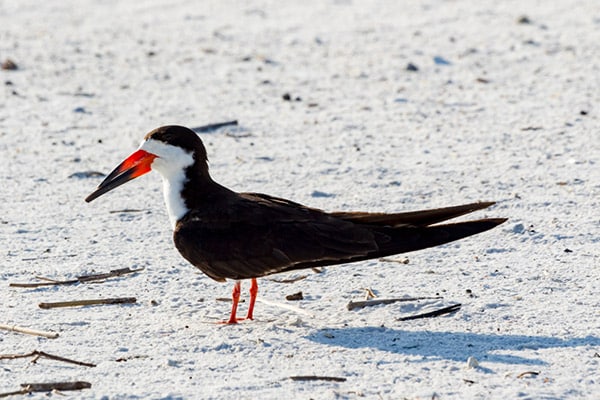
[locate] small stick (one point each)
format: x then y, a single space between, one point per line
37 354
400 261
75 303
238 135
79 279
47 282
368 303
442 311
43 278
317 378
7 394
111 274
126 210
214 127
50 386
524 374
369 294
47 257
27 331
290 280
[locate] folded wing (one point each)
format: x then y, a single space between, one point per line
259 235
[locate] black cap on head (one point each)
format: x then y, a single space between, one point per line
180 136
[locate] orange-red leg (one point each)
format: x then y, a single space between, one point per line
253 293
235 297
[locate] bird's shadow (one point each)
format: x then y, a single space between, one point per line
455 346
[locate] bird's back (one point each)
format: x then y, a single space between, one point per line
249 235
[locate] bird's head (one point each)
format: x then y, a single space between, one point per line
169 150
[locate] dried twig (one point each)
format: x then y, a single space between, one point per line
43 278
238 135
127 210
400 261
7 394
47 282
50 386
442 311
135 357
37 354
48 257
75 303
27 331
317 378
290 280
79 279
214 127
368 303
111 274
369 293
526 373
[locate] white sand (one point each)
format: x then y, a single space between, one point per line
502 120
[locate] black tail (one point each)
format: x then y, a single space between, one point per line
408 238
414 218
404 232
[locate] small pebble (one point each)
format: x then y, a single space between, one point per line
472 362
288 97
524 19
173 363
9 65
317 193
294 297
441 61
412 67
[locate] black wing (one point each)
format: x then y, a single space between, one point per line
257 235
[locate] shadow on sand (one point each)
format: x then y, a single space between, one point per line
456 346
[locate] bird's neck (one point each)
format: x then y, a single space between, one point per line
172 190
191 188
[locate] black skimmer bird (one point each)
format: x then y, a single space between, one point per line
230 235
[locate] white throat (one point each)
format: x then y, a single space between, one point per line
170 163
172 187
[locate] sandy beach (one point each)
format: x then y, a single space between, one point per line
340 105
